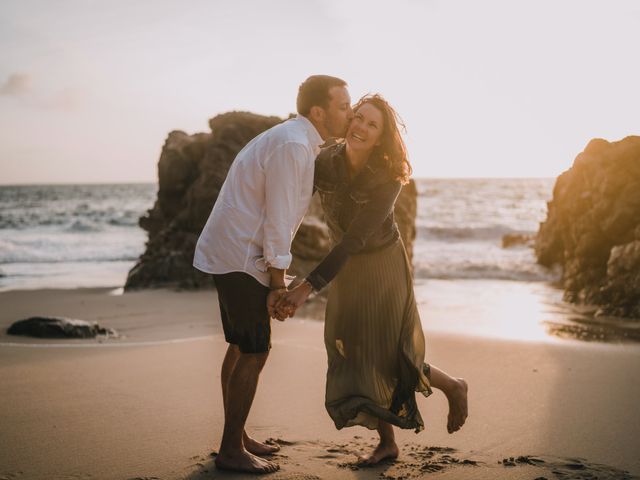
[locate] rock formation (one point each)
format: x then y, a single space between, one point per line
593 228
191 171
56 327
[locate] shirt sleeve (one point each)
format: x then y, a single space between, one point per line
367 221
284 180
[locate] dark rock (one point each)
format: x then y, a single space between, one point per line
191 171
516 239
56 327
593 228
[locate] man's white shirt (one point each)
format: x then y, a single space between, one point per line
262 202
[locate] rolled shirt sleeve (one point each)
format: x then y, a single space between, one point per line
368 220
284 181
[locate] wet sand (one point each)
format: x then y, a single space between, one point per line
149 404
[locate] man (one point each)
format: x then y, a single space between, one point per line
246 245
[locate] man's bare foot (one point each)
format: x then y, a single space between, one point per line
383 451
457 397
243 461
259 448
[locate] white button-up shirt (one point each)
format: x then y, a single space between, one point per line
262 202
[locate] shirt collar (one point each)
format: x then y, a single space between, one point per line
312 134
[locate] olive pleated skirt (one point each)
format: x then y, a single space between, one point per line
375 344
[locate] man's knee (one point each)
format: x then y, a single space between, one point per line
233 350
256 360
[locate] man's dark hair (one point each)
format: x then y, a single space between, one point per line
314 91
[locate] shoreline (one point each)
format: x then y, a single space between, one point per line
479 308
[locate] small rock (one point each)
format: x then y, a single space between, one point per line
516 239
58 327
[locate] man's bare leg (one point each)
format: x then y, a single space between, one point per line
229 363
240 391
456 391
386 449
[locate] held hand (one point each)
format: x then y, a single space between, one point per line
293 299
285 309
272 300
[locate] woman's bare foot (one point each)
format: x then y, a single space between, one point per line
383 451
259 448
457 396
243 461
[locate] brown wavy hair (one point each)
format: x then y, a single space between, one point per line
392 148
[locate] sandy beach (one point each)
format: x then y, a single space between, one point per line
148 404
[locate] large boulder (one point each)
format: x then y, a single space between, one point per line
593 228
191 171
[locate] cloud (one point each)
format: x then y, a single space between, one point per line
17 84
20 86
67 99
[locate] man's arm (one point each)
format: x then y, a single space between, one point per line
284 179
277 278
285 174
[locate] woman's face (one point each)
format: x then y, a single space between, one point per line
366 128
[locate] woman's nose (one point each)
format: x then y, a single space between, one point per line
357 126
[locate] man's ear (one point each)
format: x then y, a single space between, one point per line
317 114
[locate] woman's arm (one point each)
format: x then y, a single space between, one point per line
368 220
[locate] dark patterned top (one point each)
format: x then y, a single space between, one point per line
358 211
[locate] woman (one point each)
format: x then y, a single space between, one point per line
373 334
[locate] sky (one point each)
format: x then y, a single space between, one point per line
90 89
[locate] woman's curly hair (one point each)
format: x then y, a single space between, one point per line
391 148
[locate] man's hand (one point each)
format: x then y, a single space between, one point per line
293 299
272 300
284 308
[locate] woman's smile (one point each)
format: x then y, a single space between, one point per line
365 128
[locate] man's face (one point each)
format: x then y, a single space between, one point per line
338 114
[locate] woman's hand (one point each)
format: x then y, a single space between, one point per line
293 299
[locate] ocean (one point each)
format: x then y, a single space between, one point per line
461 222
68 236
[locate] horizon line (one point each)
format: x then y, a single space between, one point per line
147 182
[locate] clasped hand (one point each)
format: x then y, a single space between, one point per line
282 304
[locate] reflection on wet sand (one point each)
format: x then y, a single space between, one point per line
531 311
503 309
595 329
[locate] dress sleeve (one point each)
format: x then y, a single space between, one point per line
367 221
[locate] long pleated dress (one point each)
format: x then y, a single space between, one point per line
373 334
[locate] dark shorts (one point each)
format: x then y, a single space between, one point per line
243 308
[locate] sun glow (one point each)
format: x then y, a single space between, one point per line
89 94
